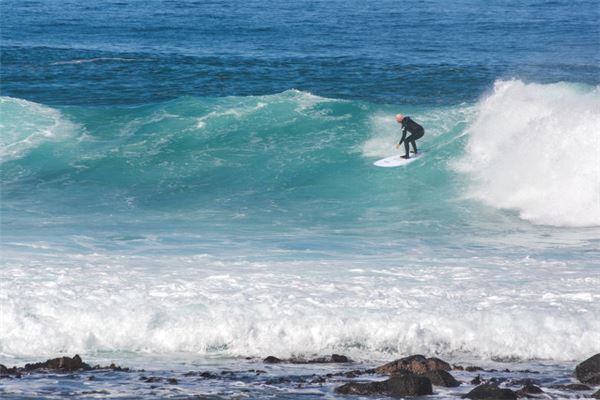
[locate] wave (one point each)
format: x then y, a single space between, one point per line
25 125
101 59
527 147
369 309
536 149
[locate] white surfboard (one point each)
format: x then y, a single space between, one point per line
397 160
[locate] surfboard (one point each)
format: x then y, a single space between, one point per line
397 160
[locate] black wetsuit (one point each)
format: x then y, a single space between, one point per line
416 132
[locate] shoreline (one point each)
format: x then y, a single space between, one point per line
332 375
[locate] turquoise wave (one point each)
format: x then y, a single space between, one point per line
290 167
284 147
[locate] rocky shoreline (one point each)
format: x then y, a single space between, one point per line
415 375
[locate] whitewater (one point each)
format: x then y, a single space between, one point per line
247 226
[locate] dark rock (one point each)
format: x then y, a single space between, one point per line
278 381
529 389
441 378
3 369
337 358
91 378
272 360
496 381
61 363
589 370
116 368
334 358
416 364
490 392
596 395
524 382
398 385
172 381
153 379
458 367
572 386
476 380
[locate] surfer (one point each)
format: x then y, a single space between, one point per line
416 132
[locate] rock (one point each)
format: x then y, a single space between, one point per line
441 378
272 360
524 382
3 369
334 358
398 385
596 395
61 363
473 368
490 392
476 380
529 389
589 370
337 358
417 364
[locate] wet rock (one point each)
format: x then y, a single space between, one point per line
60 363
278 381
272 360
172 381
524 382
596 395
589 370
476 380
529 389
490 392
398 385
114 368
416 364
441 378
473 368
572 386
338 358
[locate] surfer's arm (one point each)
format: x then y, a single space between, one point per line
403 136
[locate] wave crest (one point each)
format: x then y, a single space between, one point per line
536 148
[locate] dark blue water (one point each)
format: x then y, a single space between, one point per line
417 52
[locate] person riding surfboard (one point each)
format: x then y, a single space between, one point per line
416 132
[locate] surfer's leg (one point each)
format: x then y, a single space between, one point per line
418 135
406 149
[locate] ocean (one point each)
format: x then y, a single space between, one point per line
189 184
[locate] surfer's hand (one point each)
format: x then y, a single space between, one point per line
397 146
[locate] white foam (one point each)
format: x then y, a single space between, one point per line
365 308
536 149
24 125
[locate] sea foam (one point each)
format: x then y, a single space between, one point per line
369 308
24 125
535 149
